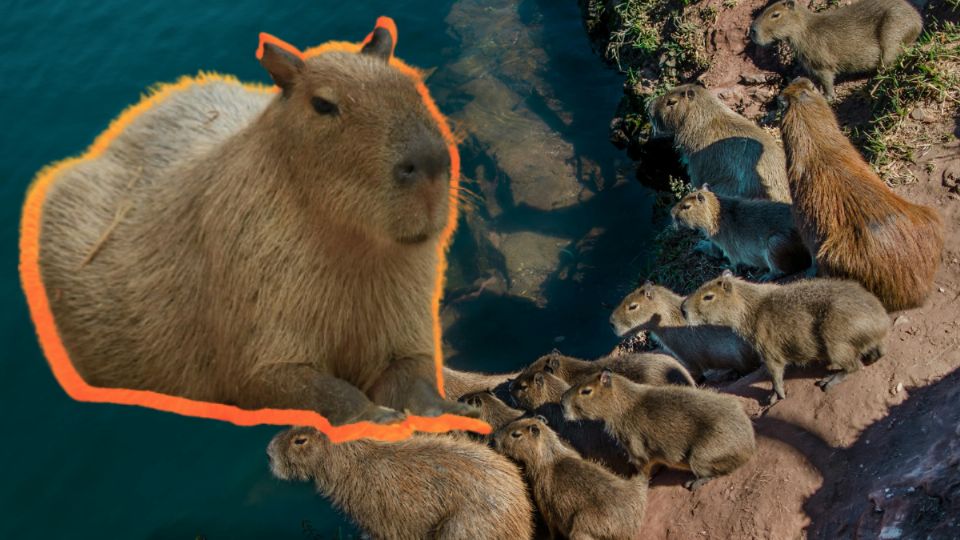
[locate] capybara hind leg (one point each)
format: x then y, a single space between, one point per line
296 386
776 374
825 78
410 384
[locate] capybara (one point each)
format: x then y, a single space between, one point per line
577 498
656 309
854 38
532 389
699 430
492 410
812 320
280 253
458 383
749 232
719 146
852 223
646 368
426 486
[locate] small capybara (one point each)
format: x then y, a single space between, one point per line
282 253
719 146
492 410
855 38
749 232
853 224
458 383
656 309
645 368
699 430
813 320
577 498
427 486
532 389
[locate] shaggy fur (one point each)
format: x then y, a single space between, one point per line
577 498
687 428
644 368
854 38
656 309
855 226
814 320
719 146
423 487
749 232
269 254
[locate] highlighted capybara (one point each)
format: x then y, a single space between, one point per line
854 225
812 320
427 486
261 249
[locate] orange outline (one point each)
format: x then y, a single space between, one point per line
77 388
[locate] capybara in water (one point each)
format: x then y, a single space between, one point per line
577 498
852 223
813 320
656 309
645 368
282 253
687 428
427 486
855 38
720 147
749 232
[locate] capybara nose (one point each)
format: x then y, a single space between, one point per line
425 159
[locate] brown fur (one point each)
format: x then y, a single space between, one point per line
687 428
855 38
532 389
657 310
577 498
749 232
644 368
855 226
719 146
826 320
458 383
275 256
492 410
423 487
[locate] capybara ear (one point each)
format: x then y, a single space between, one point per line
281 60
700 197
727 273
382 40
606 378
543 419
553 363
790 4
538 378
647 289
705 187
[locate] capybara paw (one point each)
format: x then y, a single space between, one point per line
382 415
827 383
694 485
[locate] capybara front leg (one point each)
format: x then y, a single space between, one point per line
410 384
299 386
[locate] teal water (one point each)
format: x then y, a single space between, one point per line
76 470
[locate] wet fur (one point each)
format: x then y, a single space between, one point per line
856 227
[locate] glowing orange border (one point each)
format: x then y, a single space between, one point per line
78 389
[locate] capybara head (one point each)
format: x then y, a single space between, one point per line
492 410
358 142
780 20
699 210
525 440
669 111
648 306
532 389
800 90
554 363
716 302
593 398
294 453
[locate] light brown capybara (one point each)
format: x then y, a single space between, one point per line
426 486
645 368
854 225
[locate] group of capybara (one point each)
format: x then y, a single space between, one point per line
285 257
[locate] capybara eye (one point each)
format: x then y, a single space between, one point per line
633 306
707 297
300 440
671 102
324 106
516 434
775 15
586 391
685 206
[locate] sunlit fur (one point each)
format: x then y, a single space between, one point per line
423 487
749 232
577 498
816 320
855 226
720 147
268 258
492 410
647 368
853 38
657 309
686 428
